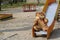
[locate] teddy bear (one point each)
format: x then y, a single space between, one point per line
40 22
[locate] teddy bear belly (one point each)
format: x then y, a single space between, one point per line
41 24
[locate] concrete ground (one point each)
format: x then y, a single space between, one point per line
20 28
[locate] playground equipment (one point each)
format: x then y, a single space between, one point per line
58 15
29 7
4 16
50 9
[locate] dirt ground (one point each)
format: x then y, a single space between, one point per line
20 27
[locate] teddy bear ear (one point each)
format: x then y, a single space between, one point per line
37 13
43 13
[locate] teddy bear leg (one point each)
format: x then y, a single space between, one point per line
45 28
37 28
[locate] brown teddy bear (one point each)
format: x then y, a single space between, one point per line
40 22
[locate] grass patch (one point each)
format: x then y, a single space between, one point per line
59 1
13 5
19 4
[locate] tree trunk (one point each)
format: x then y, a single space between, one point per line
14 1
11 2
0 5
38 2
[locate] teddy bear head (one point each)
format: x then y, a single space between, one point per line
41 15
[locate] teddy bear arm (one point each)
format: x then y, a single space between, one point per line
46 20
35 22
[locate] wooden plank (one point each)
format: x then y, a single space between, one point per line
3 16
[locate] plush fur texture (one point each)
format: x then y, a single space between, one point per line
40 22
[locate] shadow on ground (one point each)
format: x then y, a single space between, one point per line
19 29
55 34
7 19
